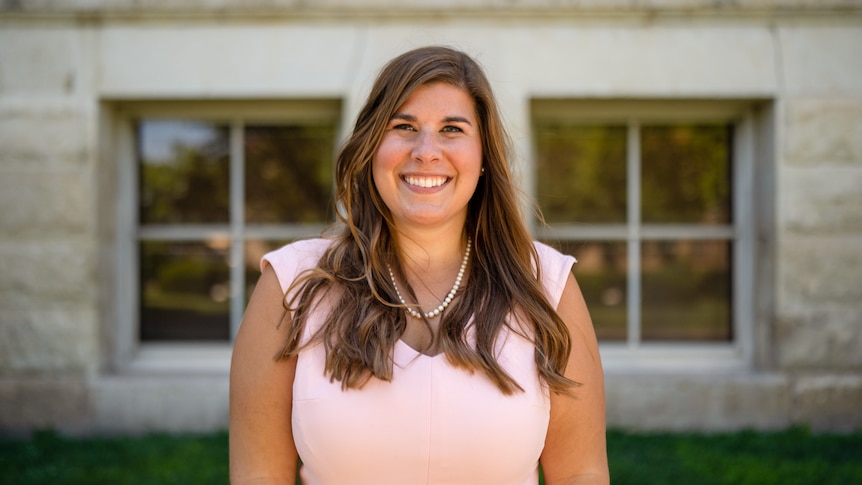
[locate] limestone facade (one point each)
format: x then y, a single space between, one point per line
66 68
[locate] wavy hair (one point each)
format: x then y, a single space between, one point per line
366 319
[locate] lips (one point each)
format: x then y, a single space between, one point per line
426 182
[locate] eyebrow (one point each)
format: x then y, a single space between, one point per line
448 119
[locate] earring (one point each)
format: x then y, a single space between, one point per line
483 170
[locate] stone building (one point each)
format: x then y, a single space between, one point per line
702 159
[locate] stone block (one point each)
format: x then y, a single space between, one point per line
228 60
557 60
28 403
820 200
829 402
821 59
703 403
51 270
823 131
49 203
818 270
819 337
141 404
56 338
46 135
43 60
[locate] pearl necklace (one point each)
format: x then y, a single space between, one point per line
446 301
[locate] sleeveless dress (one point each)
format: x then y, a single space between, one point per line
433 423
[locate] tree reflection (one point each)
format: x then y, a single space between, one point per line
288 174
191 184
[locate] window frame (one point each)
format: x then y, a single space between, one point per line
130 354
747 120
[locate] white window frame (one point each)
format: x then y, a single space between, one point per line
129 354
748 120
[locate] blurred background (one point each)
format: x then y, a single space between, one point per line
702 160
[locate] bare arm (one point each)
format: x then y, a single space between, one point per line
262 451
575 448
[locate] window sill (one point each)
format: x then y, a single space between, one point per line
646 359
673 359
181 358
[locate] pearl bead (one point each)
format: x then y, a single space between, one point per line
446 301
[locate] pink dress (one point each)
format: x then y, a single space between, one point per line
434 423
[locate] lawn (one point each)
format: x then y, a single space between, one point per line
788 457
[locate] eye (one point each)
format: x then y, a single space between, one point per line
451 129
403 126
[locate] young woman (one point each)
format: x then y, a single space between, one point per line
430 340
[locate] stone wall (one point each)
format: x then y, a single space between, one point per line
64 64
49 326
818 322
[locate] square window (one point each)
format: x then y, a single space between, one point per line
646 206
216 186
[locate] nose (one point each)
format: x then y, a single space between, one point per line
426 148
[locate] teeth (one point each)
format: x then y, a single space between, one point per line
426 182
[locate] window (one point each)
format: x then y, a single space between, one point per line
209 188
652 200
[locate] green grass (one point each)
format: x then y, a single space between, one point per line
48 458
791 457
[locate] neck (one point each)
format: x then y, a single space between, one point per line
429 252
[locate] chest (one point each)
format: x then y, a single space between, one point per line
433 423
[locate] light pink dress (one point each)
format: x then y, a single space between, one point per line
434 423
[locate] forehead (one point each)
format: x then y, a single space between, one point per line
439 97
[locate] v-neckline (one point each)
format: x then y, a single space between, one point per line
410 354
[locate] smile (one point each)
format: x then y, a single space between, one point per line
425 182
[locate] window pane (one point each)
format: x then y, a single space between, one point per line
686 174
185 291
686 290
581 172
183 172
289 173
601 274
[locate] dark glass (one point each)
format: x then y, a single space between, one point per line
289 173
581 173
185 291
686 290
601 274
685 174
184 172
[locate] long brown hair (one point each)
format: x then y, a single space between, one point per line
366 319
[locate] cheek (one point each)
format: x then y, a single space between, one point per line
473 161
382 175
385 158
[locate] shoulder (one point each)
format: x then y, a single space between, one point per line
292 259
554 270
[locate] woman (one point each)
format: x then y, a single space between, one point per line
430 340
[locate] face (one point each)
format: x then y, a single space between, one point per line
428 163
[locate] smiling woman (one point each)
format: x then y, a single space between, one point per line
430 340
428 162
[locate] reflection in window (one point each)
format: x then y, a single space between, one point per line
184 172
685 286
685 174
184 291
581 172
285 180
213 197
677 231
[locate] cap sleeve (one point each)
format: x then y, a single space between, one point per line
291 260
555 268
